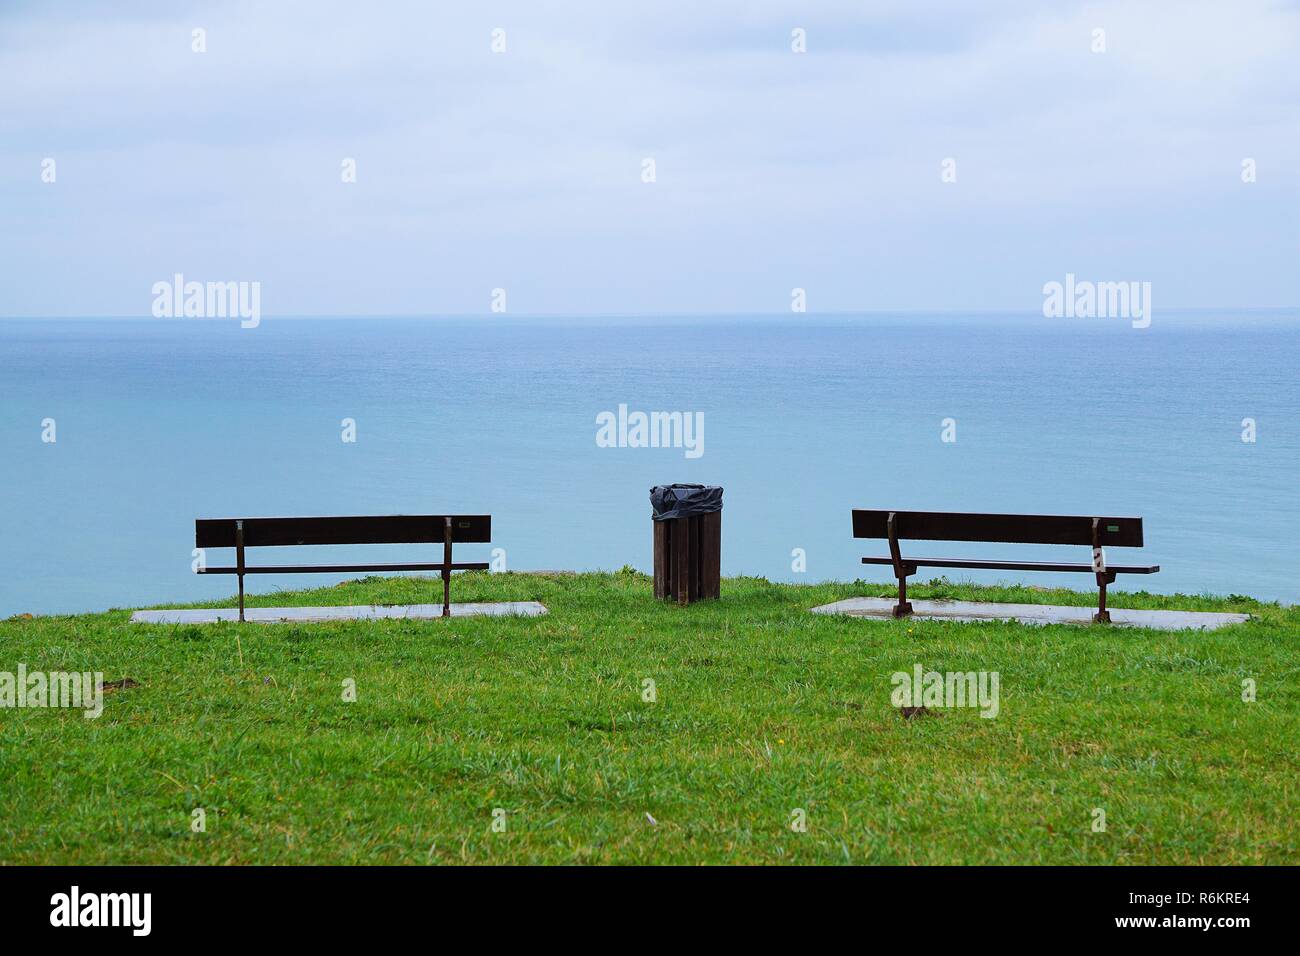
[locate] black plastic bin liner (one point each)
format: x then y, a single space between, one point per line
683 501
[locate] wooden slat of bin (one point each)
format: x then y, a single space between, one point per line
710 555
661 558
680 541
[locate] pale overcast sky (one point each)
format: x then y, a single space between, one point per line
523 169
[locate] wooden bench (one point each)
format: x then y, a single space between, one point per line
1097 532
241 533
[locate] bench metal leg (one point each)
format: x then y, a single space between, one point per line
239 563
904 607
1103 616
1104 577
901 570
446 569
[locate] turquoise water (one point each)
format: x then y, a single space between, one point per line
162 421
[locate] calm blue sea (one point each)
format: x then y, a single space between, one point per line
162 421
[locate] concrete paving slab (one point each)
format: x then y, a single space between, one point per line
280 615
1032 614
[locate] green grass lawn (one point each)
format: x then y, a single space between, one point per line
762 708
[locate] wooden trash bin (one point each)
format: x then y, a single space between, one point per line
688 556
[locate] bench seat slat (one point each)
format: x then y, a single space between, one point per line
1015 565
1116 532
313 568
342 529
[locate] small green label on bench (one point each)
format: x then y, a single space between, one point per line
1112 527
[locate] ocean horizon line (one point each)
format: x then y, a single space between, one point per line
1261 311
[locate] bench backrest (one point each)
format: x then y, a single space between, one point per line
1016 529
363 529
